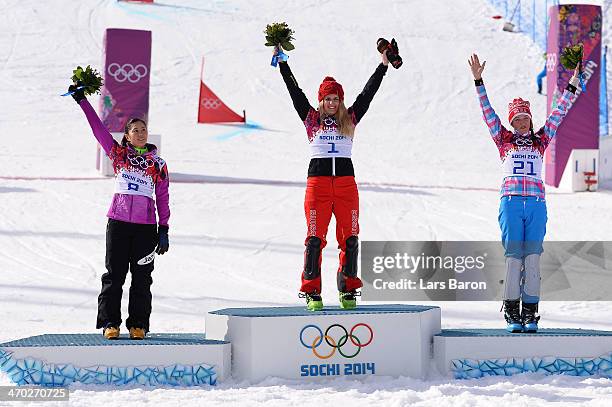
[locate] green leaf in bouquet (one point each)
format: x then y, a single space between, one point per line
88 77
287 46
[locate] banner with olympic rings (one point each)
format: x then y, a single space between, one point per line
572 25
211 109
127 67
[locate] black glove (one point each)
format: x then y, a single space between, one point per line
162 239
79 94
392 51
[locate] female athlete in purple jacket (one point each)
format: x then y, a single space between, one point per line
132 235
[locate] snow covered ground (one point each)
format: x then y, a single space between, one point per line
422 152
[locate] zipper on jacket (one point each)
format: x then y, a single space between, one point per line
333 166
148 210
131 207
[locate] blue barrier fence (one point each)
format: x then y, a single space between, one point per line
529 17
603 96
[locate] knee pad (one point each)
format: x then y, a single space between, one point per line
352 243
512 288
531 284
351 255
311 258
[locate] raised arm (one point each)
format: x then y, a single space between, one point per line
558 114
363 100
300 101
100 131
490 117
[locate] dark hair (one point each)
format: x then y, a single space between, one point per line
128 125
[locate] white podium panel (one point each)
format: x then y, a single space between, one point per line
473 353
605 158
291 342
580 163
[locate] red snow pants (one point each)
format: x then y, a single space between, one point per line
327 195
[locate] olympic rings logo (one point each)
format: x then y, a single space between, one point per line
523 141
340 343
140 161
209 103
329 121
551 62
127 72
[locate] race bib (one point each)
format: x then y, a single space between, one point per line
330 144
526 163
133 183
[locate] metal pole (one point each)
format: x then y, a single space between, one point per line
533 20
519 16
546 26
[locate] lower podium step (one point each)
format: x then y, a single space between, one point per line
159 359
294 343
474 353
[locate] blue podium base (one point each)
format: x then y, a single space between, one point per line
474 353
159 359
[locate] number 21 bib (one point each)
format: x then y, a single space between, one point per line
523 162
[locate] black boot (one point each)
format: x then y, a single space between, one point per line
513 316
530 319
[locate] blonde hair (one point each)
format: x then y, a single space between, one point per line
344 120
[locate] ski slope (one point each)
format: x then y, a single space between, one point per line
422 153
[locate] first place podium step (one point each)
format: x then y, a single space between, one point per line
293 343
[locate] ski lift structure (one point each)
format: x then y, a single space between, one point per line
508 24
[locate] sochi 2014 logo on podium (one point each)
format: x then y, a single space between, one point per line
340 341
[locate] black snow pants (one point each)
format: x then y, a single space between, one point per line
128 246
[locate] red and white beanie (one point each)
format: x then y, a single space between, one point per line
518 107
329 86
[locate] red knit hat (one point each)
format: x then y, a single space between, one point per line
330 86
518 107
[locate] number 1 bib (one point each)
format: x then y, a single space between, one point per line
330 145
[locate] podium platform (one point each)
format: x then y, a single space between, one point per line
474 353
291 342
159 359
